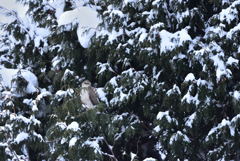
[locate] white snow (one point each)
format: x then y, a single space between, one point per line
133 155
73 141
165 114
219 64
102 95
143 34
122 94
94 143
3 144
61 125
40 35
60 158
34 106
177 136
157 128
115 12
88 17
34 120
236 95
58 5
182 15
159 147
120 117
27 101
232 31
85 35
229 14
21 137
44 93
225 123
189 77
60 94
66 74
19 118
169 41
9 74
63 140
87 20
213 30
12 5
150 159
56 61
190 99
221 68
129 1
190 120
232 61
103 67
112 35
174 90
68 17
74 126
113 81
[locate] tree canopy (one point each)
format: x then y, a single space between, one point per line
166 72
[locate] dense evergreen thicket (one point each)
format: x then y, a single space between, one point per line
167 73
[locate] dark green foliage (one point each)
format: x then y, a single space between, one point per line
168 78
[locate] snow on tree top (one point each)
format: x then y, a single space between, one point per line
230 13
150 159
170 41
224 123
129 1
221 67
94 143
178 135
174 90
189 77
21 137
232 61
190 120
84 36
74 126
61 125
232 31
160 115
73 141
9 74
191 99
102 95
111 35
87 20
236 95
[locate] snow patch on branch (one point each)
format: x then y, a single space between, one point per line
74 126
73 141
21 137
170 41
94 143
87 20
9 74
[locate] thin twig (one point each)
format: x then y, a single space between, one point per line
110 148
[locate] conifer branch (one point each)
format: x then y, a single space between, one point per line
110 148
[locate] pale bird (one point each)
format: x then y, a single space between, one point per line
88 94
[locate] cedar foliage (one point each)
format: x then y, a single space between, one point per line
167 71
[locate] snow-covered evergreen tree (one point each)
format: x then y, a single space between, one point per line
166 72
